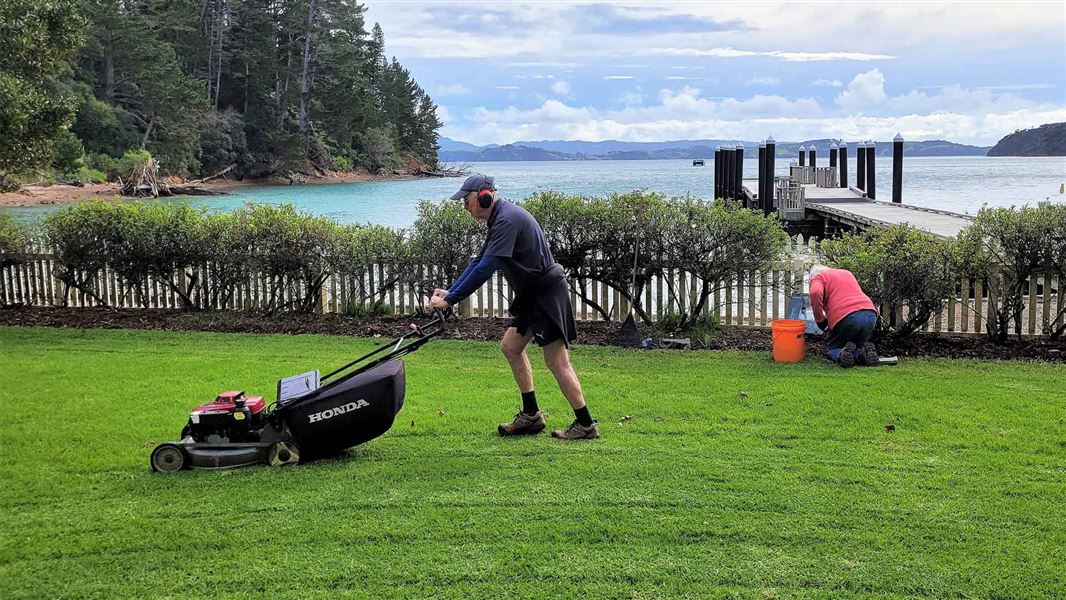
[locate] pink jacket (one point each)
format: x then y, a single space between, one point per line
836 294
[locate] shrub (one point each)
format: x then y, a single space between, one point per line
899 266
444 238
67 152
153 242
342 164
718 242
130 162
614 240
227 244
362 248
14 240
293 249
115 168
89 175
1007 246
82 238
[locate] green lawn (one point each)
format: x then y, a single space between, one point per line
793 488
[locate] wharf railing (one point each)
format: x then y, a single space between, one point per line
801 174
789 199
826 177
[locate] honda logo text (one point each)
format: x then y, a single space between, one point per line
340 410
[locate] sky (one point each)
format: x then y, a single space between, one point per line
500 72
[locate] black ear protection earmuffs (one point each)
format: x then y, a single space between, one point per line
484 194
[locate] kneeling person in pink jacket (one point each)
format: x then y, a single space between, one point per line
841 308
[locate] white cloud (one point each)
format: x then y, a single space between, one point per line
507 87
634 97
456 89
618 77
827 83
956 114
864 90
790 56
1018 87
561 87
763 81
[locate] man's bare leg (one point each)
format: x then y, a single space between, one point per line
513 345
557 357
529 420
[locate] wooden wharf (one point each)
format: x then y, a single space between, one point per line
818 200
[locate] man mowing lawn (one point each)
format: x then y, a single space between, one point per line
541 307
841 308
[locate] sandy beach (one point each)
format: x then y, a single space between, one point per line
33 195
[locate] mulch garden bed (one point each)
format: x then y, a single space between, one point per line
487 329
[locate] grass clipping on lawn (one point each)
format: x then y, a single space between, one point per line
731 476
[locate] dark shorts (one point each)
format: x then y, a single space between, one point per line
536 321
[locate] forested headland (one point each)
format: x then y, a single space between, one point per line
90 88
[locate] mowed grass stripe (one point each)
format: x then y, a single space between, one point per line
792 487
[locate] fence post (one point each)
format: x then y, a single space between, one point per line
802 155
897 169
812 154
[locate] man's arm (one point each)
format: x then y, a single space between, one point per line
817 305
469 269
478 274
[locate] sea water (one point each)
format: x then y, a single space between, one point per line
958 184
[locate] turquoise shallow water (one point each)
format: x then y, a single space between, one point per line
960 184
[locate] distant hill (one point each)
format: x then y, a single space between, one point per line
502 153
1046 140
455 151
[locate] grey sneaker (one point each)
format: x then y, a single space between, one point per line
869 355
847 355
523 424
577 431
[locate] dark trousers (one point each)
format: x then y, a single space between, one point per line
857 327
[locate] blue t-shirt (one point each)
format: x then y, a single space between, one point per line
517 240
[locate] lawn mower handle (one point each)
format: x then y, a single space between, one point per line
422 334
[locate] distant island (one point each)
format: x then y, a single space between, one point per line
559 150
1046 140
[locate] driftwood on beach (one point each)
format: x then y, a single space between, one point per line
144 182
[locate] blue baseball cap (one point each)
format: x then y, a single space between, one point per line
474 183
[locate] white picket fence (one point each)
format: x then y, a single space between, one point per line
755 299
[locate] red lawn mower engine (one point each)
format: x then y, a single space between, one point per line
231 418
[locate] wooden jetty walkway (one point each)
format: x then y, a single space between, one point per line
820 201
851 208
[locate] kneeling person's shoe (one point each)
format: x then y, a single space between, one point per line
523 424
847 355
869 355
577 431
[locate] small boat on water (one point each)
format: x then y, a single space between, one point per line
697 162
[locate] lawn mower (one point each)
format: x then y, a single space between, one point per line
311 418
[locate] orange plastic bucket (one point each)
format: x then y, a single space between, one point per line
788 340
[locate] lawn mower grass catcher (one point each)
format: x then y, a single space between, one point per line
311 418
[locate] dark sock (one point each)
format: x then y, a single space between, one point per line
583 416
529 403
